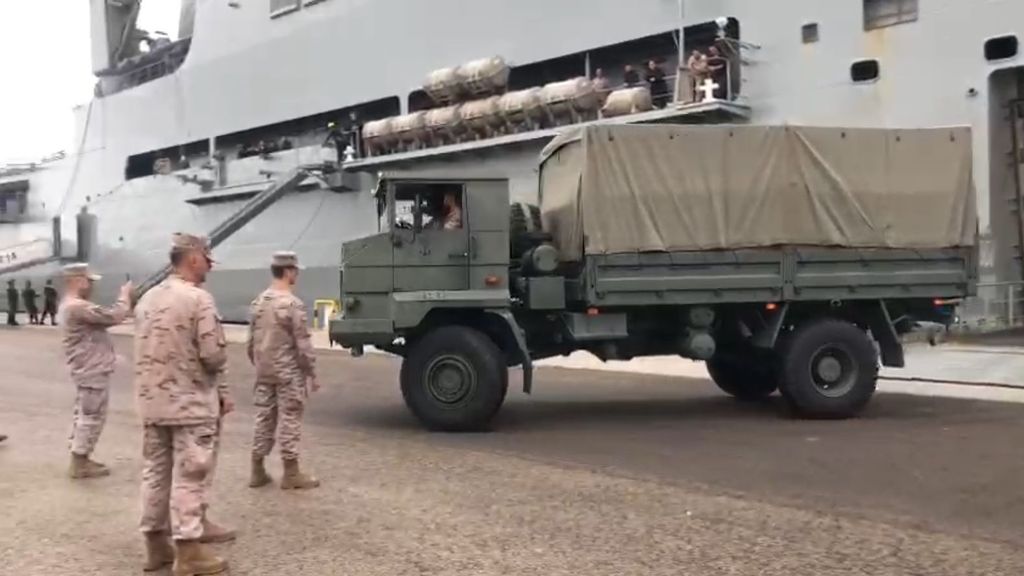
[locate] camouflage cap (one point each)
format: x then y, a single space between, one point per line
183 242
79 270
285 259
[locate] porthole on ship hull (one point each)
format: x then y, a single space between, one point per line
864 71
1001 48
809 33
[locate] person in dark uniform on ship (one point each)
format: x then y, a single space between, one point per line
28 295
629 76
12 303
655 77
717 70
49 304
355 134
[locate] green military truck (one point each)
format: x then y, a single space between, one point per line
787 258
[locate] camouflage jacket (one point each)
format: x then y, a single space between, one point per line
180 355
279 345
87 346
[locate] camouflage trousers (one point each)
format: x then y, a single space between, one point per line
90 415
279 408
178 465
213 468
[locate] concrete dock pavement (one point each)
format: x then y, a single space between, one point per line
599 472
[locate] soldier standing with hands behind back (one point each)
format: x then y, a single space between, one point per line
180 355
90 358
279 347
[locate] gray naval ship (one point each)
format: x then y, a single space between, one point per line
198 133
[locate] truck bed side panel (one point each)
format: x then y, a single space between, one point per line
721 277
879 274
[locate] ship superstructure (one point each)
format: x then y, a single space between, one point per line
183 133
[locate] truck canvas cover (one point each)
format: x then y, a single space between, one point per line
614 189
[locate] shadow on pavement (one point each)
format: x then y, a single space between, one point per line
523 414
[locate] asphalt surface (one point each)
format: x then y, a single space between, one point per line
596 473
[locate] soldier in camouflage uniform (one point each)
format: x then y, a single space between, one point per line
90 358
279 347
180 355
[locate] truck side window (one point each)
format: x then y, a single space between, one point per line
407 215
428 206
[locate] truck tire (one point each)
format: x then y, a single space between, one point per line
745 379
454 379
829 370
535 218
523 226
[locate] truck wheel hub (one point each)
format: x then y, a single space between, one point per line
829 369
833 371
450 380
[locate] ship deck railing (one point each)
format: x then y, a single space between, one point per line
705 111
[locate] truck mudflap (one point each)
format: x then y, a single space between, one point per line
520 339
882 328
768 335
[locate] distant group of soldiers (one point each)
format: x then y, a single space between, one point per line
28 295
182 393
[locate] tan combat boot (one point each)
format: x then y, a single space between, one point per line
214 533
194 559
293 479
159 552
82 467
259 476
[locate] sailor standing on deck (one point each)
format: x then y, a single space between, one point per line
279 347
89 353
180 356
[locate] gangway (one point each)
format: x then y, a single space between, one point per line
27 255
26 264
253 208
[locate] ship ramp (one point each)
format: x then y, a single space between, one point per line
247 213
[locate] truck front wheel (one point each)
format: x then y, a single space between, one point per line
830 370
454 379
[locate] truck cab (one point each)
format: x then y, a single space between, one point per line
441 245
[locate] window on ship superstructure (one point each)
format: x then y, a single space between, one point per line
883 13
281 7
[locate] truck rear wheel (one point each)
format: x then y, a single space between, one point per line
454 379
829 370
745 379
